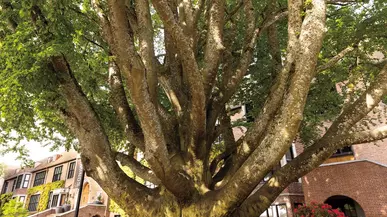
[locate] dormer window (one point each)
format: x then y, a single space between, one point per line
290 154
26 180
49 160
343 152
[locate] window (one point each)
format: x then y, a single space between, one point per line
275 211
26 180
14 185
268 176
271 172
49 200
55 200
34 200
71 170
343 151
62 199
22 199
39 178
290 154
57 173
249 113
19 181
149 184
5 188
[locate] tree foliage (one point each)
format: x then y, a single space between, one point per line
116 78
14 208
4 199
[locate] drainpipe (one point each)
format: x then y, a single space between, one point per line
79 194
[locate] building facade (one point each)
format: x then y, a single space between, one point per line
54 183
354 180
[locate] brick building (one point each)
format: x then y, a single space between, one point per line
61 174
354 180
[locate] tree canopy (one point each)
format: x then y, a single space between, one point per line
112 78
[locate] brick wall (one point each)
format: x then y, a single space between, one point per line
362 181
372 152
87 211
44 213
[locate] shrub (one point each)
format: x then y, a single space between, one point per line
14 208
317 210
4 198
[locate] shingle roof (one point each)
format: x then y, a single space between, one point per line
65 157
12 171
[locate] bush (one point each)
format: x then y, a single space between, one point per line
4 198
317 210
14 208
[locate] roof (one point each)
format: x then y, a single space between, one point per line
64 157
12 171
352 161
9 170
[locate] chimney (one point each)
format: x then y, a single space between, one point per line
57 156
50 159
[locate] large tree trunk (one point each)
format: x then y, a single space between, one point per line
200 72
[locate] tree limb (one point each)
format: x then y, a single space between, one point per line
335 59
231 81
145 36
137 168
277 141
214 45
120 104
336 137
274 101
156 152
195 81
97 156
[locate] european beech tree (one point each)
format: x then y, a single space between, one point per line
113 78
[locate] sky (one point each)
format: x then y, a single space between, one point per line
36 152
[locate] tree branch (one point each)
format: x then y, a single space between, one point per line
97 156
336 137
231 82
256 132
214 45
120 104
145 36
195 81
156 152
280 136
361 107
137 168
228 155
335 59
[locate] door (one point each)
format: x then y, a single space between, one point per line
85 194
